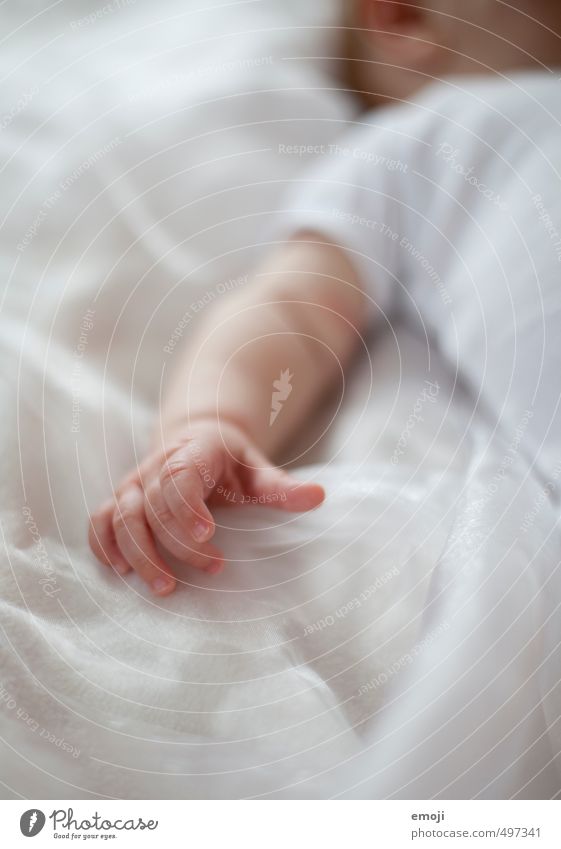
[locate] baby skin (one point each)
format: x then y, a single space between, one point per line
216 441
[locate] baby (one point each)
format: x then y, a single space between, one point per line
444 203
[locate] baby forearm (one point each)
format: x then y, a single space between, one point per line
230 372
264 358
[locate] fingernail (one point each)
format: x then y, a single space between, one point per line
215 567
200 531
161 584
121 568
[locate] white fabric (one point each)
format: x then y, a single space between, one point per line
400 641
450 206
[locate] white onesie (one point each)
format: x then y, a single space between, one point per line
450 207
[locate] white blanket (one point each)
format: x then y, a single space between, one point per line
402 640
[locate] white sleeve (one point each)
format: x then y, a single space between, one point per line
350 198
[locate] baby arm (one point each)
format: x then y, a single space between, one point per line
216 439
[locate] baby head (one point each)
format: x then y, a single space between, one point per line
397 46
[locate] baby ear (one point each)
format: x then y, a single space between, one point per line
402 31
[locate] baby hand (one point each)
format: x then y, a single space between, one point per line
166 500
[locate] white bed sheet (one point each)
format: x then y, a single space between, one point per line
401 641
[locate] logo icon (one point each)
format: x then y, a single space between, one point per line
283 387
31 822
